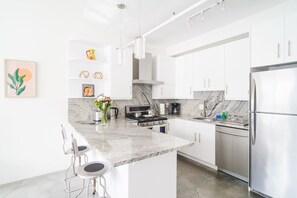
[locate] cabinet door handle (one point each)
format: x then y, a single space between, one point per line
208 83
278 50
195 137
289 48
199 138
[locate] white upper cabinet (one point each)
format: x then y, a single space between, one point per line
237 68
197 73
211 67
164 70
267 43
120 82
183 76
291 37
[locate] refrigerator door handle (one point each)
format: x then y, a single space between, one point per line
253 116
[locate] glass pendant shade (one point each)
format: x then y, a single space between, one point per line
139 48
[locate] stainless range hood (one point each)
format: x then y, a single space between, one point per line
143 71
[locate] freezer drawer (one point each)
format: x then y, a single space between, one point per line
274 155
232 151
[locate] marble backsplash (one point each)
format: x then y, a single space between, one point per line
81 109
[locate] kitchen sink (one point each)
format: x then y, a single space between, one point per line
204 119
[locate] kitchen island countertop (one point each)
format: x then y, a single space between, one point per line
123 142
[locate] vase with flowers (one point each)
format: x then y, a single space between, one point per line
103 103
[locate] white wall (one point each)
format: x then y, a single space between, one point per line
233 29
38 30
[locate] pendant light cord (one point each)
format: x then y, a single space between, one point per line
139 18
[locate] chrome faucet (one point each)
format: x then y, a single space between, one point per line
202 109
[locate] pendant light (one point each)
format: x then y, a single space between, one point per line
139 46
121 49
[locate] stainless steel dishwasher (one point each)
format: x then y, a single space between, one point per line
232 147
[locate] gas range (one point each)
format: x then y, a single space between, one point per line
143 116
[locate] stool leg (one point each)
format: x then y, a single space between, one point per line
86 159
94 183
73 165
105 193
88 188
66 180
82 189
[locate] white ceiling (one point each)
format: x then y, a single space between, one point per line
154 12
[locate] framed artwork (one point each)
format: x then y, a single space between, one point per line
88 90
20 78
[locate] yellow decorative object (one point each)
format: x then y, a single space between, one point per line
91 54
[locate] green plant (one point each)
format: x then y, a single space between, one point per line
16 82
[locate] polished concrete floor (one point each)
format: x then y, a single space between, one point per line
194 181
197 181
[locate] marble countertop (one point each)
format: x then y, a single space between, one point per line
219 123
123 142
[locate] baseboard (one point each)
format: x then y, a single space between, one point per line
212 166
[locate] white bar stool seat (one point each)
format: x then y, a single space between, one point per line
91 172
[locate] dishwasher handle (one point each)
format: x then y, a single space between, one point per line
239 134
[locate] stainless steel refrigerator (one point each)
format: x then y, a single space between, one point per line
273 131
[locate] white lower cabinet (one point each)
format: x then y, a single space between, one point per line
203 134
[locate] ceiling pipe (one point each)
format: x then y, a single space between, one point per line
220 2
173 18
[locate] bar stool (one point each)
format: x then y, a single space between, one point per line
81 152
91 172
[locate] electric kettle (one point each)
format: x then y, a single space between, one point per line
114 112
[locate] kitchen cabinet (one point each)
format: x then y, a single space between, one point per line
267 43
237 68
184 77
211 67
164 70
203 134
197 73
120 76
171 127
290 37
274 42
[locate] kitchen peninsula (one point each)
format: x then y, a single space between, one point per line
144 161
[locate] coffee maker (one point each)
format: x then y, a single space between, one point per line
175 108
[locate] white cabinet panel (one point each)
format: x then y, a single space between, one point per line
184 77
206 143
121 76
237 68
164 70
211 67
202 134
197 73
267 43
291 37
